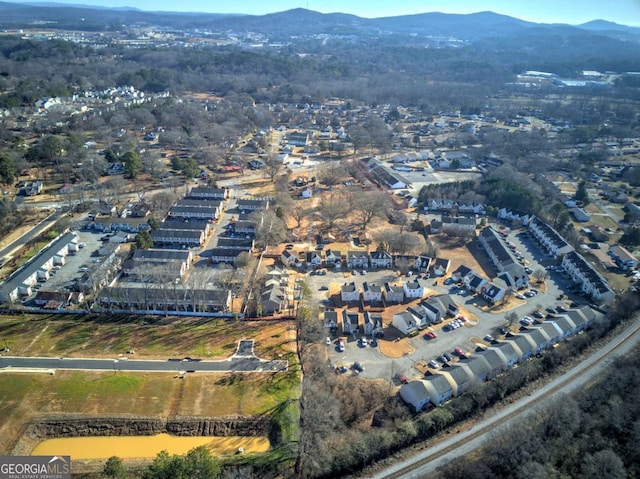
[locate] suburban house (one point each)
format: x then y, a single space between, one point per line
549 238
393 293
349 293
623 258
350 322
373 324
493 292
461 272
313 259
332 256
590 281
381 259
289 258
331 321
413 289
273 299
566 327
416 394
357 259
422 263
474 282
405 322
552 333
441 266
439 307
439 389
371 292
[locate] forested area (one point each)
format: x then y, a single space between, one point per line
592 435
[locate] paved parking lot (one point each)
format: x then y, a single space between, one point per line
467 337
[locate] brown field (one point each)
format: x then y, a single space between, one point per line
151 338
27 396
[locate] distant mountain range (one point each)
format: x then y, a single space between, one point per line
295 22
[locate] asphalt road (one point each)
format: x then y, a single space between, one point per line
29 235
244 363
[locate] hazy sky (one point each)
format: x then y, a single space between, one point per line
626 12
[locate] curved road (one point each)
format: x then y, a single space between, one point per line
426 462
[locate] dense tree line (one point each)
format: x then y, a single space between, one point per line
591 434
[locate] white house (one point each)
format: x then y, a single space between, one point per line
438 388
413 289
371 292
405 322
349 293
393 293
313 259
331 321
357 259
373 324
288 258
381 259
350 322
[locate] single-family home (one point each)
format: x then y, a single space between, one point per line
371 292
350 322
405 322
393 293
289 258
331 321
413 289
493 293
313 260
441 266
461 272
623 258
422 263
373 324
474 282
381 259
332 256
273 299
439 307
349 293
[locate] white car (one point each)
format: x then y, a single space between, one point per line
328 341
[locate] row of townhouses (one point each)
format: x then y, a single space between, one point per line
485 364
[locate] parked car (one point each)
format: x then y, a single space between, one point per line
358 367
447 357
433 364
430 335
520 296
363 342
328 340
341 345
458 351
488 338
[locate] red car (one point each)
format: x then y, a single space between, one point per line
458 351
430 335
